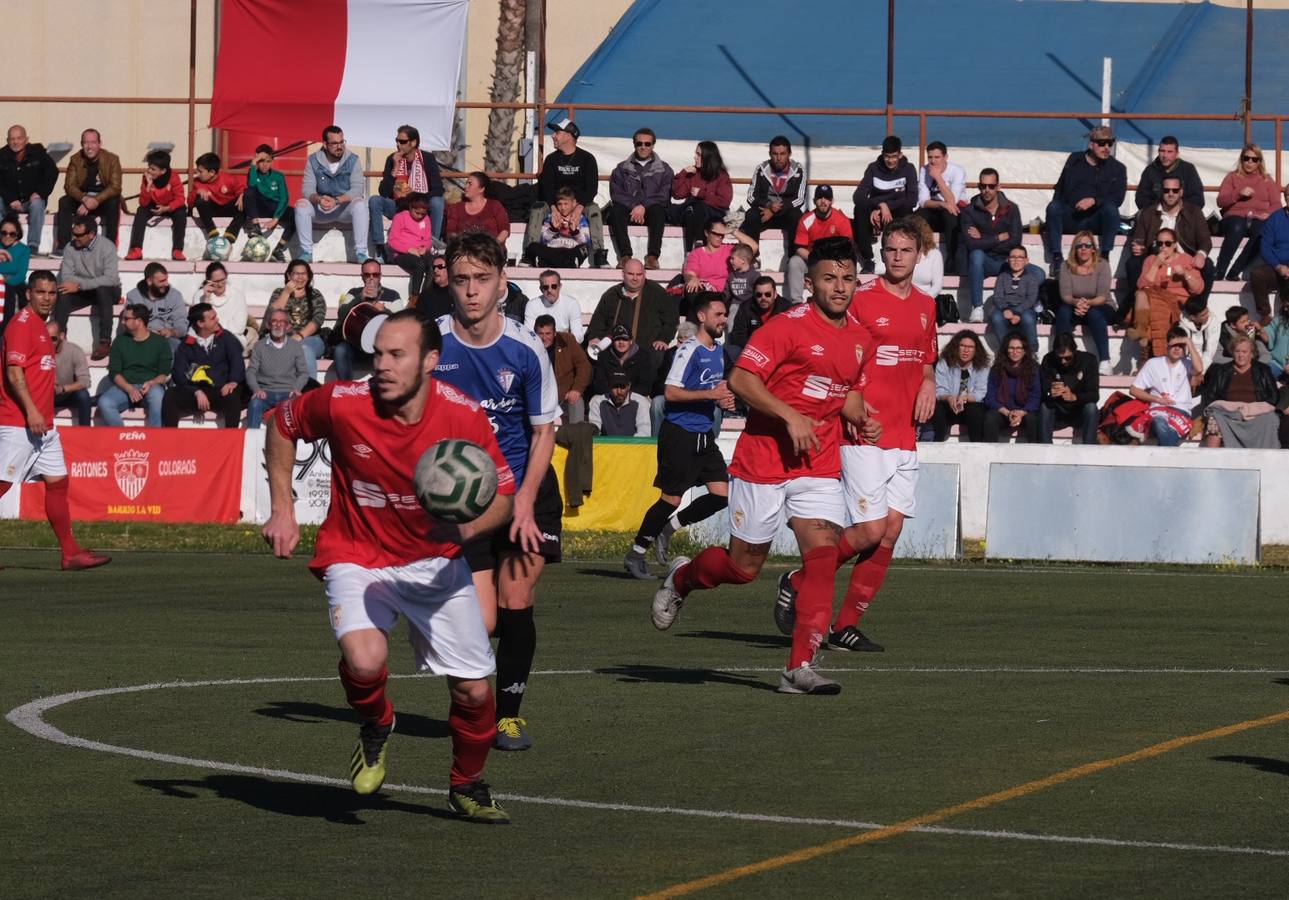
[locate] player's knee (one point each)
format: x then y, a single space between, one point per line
470 691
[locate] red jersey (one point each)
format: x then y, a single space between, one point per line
26 343
811 365
374 519
224 190
812 228
904 331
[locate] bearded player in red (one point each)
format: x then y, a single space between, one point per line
880 475
29 444
379 555
797 374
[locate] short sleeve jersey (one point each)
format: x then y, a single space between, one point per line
374 519
695 367
904 331
813 227
26 344
811 365
1158 377
511 378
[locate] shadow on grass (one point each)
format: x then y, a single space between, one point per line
314 801
408 725
759 641
618 574
665 675
1261 763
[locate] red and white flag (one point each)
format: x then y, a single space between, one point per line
289 68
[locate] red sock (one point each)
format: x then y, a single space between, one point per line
814 604
845 552
865 581
60 516
367 695
708 569
473 730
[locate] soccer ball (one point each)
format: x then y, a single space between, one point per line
219 247
455 480
257 249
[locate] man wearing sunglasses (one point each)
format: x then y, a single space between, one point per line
89 276
640 188
1168 161
1087 196
343 353
566 311
1186 221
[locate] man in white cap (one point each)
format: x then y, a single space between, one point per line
568 166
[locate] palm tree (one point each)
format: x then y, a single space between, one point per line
499 144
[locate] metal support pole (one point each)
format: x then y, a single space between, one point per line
1248 71
890 66
192 86
541 95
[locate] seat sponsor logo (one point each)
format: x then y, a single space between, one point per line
131 471
817 387
368 494
888 355
47 363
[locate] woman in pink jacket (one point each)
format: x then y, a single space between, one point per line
1247 196
411 237
706 191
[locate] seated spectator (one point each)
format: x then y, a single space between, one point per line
229 304
1071 391
776 198
477 212
1238 401
1271 270
1087 196
1238 324
343 353
137 371
1246 197
707 266
623 355
640 194
566 235
161 196
961 383
704 191
1167 161
435 300
571 167
267 203
515 304
765 303
207 374
942 185
643 306
1168 279
277 370
411 242
1016 298
572 368
92 188
1165 382
72 376
620 411
743 275
215 193
15 258
167 311
823 221
1203 329
27 177
1086 297
565 312
928 274
333 191
888 191
1188 225
407 171
1013 393
88 276
305 306
991 227
1276 336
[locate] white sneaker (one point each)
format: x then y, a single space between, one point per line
977 315
805 680
1107 368
666 602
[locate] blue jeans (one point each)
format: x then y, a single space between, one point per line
343 356
1234 230
382 208
79 402
1096 322
1084 422
257 408
35 210
314 347
113 401
1028 327
980 265
1102 220
1164 432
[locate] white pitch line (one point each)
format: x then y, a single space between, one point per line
30 718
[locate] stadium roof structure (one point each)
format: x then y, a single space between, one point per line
1001 55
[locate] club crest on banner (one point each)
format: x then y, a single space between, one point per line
131 471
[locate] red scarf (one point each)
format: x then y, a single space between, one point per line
416 179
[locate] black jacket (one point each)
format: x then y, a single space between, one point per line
659 315
224 360
1006 219
1082 377
897 188
1150 186
1106 182
578 170
1218 378
36 174
749 319
637 365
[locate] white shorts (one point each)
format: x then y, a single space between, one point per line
757 511
877 481
25 456
438 598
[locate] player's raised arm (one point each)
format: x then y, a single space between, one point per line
752 391
281 531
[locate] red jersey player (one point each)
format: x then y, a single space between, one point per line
29 444
880 476
796 374
378 555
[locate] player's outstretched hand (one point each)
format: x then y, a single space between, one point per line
924 405
282 534
801 430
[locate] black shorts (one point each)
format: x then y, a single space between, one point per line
687 459
483 552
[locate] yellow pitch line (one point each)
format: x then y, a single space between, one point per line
931 818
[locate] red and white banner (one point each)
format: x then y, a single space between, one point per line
148 475
289 68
